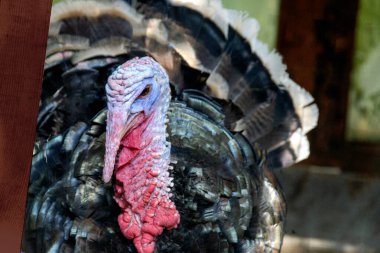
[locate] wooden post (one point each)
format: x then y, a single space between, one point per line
23 32
316 39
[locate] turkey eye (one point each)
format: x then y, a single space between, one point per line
145 92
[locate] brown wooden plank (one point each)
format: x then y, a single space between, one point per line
297 40
23 33
316 39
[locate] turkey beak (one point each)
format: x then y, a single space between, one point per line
117 126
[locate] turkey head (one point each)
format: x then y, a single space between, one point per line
138 96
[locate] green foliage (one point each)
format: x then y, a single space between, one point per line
364 106
266 12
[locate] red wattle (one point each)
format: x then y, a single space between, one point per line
141 191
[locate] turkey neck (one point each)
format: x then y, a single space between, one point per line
143 181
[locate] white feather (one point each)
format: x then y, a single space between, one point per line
300 145
90 8
249 28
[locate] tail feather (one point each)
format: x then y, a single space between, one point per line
202 46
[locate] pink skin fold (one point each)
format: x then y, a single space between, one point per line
116 121
137 150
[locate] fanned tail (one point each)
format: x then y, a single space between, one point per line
202 46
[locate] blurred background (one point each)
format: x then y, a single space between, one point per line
332 48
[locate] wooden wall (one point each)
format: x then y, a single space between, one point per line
23 34
316 39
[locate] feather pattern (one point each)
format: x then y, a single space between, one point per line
234 117
204 41
224 198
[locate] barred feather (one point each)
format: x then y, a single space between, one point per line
232 98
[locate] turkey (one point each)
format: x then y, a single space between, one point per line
159 127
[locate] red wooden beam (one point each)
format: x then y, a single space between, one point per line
23 32
316 39
297 39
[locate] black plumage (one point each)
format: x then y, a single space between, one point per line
219 188
234 116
